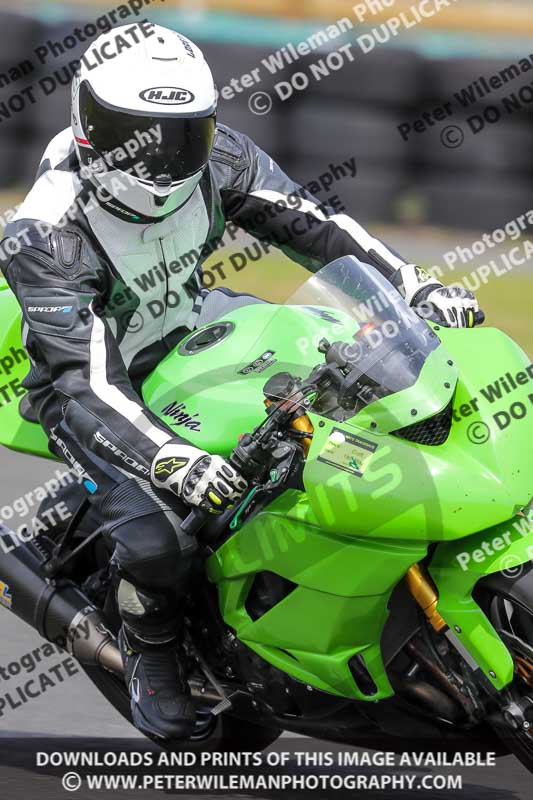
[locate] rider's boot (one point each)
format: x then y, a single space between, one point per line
161 702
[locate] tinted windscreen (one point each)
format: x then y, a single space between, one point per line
153 145
368 343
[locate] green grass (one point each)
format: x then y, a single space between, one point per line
506 303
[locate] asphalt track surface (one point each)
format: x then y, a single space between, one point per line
70 714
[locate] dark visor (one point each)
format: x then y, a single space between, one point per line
157 145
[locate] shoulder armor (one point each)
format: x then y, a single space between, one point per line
64 249
66 246
230 147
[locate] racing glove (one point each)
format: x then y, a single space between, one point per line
198 478
450 306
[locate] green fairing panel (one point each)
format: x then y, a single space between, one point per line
15 432
457 567
339 607
408 490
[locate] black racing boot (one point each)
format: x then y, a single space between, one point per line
161 704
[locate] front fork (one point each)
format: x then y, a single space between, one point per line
445 594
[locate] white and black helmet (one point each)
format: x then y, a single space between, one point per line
143 117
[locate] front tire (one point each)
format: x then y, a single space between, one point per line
514 624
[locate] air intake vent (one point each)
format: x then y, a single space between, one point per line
361 675
267 590
432 431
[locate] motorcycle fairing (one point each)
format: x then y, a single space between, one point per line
338 608
456 579
16 432
369 525
417 491
364 527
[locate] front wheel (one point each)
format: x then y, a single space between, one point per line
223 733
514 624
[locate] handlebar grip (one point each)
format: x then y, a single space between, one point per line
194 521
479 318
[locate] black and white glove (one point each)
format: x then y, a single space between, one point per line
198 478
450 306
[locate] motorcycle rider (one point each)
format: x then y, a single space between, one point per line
102 211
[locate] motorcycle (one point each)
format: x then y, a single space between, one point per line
374 586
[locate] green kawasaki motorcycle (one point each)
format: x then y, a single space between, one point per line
374 587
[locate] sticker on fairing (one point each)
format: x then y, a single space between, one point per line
347 452
5 595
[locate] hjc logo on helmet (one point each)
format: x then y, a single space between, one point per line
167 95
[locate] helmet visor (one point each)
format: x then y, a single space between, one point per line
150 146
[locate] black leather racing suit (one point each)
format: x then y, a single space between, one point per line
87 275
